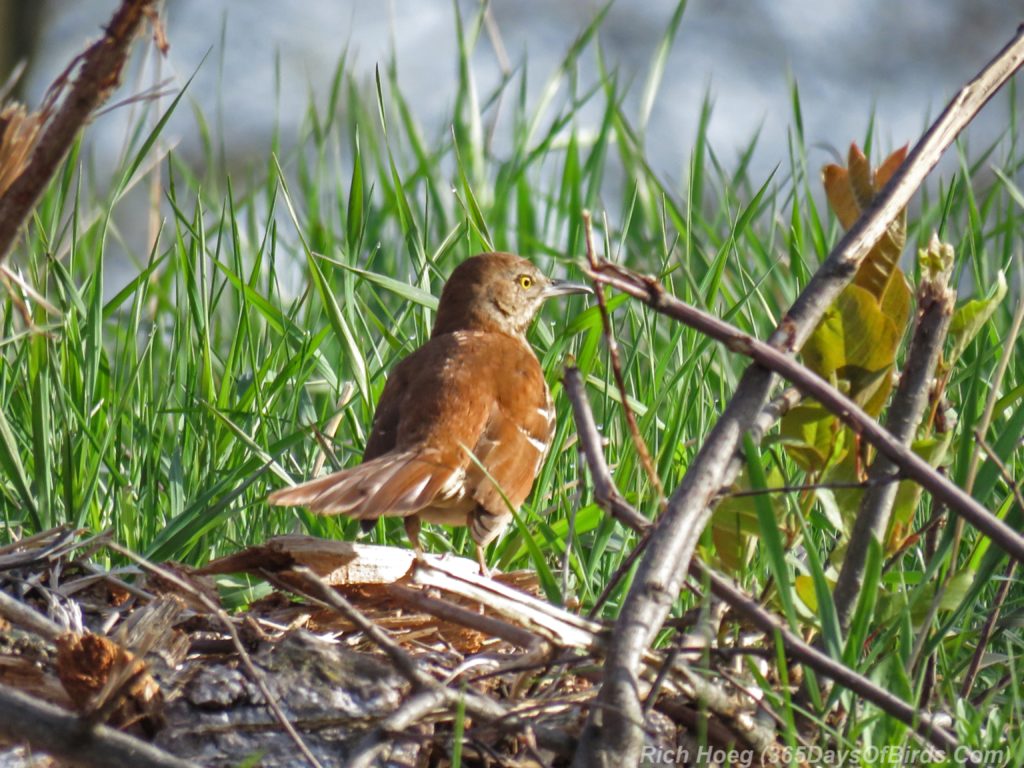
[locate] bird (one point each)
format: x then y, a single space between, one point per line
464 422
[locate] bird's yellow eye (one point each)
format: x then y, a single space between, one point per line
525 282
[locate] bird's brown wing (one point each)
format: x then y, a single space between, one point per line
512 446
389 411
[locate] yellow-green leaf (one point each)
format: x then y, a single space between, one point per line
812 436
908 495
734 523
857 342
969 319
805 591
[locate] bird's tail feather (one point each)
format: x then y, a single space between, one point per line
391 485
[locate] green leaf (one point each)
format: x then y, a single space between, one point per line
969 319
735 525
856 341
771 538
813 437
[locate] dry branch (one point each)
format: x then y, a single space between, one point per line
988 628
616 363
98 75
612 737
53 731
795 647
476 705
909 463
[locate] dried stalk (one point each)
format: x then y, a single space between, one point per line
476 705
98 75
1004 588
935 305
613 355
771 359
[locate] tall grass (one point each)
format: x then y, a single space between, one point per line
168 410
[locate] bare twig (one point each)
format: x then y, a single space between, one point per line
99 74
794 645
804 487
605 492
935 306
1004 589
456 614
922 723
27 618
613 355
54 731
251 669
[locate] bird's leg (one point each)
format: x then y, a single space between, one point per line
412 530
484 570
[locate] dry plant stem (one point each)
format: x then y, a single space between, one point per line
1004 589
620 382
994 386
25 617
607 495
804 487
253 672
987 630
794 645
99 74
415 709
612 737
476 705
981 429
56 732
605 492
456 614
972 469
908 406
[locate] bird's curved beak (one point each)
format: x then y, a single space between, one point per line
563 287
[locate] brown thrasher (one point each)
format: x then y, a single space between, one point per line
464 422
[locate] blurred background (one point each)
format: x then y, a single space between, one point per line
257 63
849 58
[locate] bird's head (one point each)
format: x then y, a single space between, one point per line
496 292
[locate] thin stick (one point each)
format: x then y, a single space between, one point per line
935 305
476 705
909 463
803 487
612 735
983 424
54 731
1004 589
616 362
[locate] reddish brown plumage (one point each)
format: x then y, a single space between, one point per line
464 422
